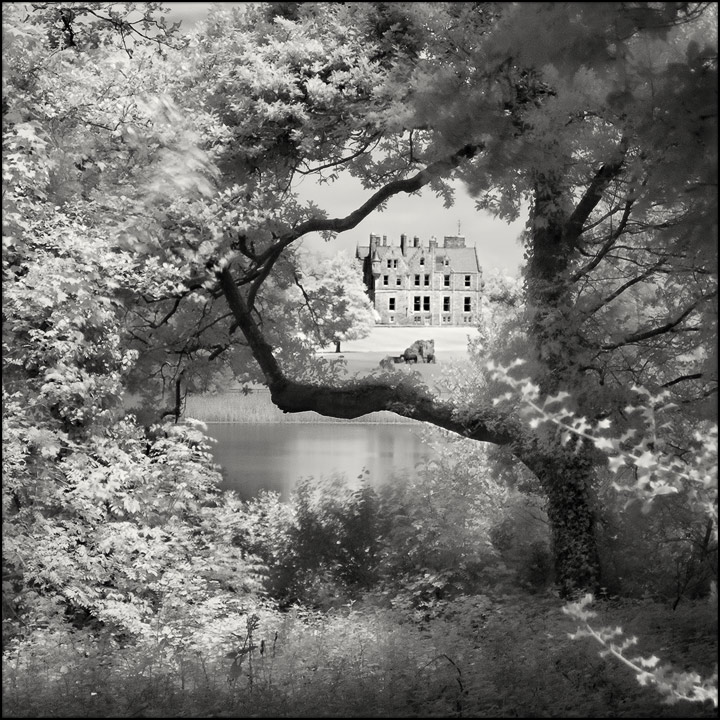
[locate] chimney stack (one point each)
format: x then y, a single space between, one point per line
374 239
403 242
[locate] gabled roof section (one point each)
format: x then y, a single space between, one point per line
381 250
461 260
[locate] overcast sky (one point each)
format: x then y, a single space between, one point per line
424 215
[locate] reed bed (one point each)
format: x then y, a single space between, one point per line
256 407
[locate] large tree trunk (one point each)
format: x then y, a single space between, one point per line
567 480
565 476
337 346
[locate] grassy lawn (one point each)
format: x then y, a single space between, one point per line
363 356
393 340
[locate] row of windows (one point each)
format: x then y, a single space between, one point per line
445 318
426 280
394 263
423 304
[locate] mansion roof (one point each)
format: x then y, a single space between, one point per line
436 259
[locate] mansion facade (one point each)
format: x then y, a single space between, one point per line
422 283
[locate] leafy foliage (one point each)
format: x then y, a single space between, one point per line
659 465
446 530
338 306
659 470
674 685
110 525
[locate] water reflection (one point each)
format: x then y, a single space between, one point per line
274 456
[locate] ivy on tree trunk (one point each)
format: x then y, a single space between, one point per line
567 479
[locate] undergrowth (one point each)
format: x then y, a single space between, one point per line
503 656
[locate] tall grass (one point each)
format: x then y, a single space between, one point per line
486 657
257 407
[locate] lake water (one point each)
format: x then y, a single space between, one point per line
274 456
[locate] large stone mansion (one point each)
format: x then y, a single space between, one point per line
420 283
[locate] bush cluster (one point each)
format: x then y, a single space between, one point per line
426 538
417 542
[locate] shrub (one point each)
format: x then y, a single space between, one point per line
678 539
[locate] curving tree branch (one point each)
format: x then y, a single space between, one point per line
669 326
359 398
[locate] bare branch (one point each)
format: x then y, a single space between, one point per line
375 138
408 185
218 319
308 304
607 246
603 218
654 332
170 313
682 378
625 286
242 311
